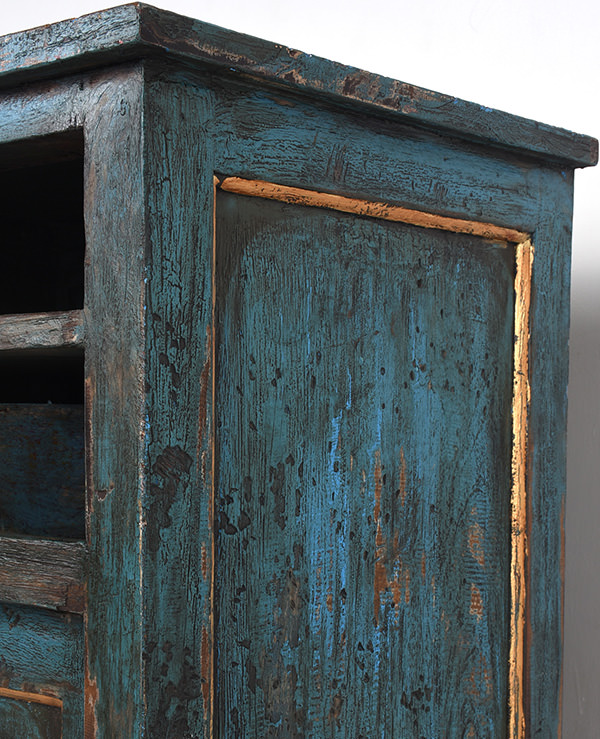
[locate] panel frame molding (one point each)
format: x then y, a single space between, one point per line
22 695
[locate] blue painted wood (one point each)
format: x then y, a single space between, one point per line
114 310
293 558
42 474
178 679
547 461
137 30
42 651
33 720
363 481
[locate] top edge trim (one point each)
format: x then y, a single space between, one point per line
136 30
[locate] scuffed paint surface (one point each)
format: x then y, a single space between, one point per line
363 479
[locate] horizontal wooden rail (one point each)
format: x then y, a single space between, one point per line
45 573
41 330
22 695
370 208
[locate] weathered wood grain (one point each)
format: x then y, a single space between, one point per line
363 476
299 446
49 574
275 137
202 42
41 330
137 30
42 473
29 718
115 358
41 109
546 468
104 36
41 651
178 540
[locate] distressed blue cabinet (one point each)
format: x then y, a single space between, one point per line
283 369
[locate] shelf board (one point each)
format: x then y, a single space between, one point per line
43 572
41 330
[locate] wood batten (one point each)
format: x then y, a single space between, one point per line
521 398
370 208
41 330
22 695
43 573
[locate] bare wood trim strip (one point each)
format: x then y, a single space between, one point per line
519 544
44 573
373 209
21 695
41 330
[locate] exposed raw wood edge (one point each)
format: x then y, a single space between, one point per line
41 330
371 208
21 695
44 573
519 544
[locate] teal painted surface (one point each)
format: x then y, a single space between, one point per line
115 240
547 460
279 138
350 605
42 474
363 425
137 30
33 720
178 416
42 651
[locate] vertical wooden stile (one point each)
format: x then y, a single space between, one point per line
521 398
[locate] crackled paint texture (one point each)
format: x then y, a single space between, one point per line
363 487
297 518
42 652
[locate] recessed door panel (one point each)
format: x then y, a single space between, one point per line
362 490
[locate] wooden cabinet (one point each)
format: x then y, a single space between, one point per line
283 360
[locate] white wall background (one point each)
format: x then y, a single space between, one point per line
536 58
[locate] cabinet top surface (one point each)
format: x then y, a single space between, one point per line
134 31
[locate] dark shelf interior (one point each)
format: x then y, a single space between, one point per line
41 190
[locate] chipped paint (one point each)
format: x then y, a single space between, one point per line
373 209
476 539
480 674
205 385
521 399
402 477
476 607
399 583
91 695
206 669
204 561
22 695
